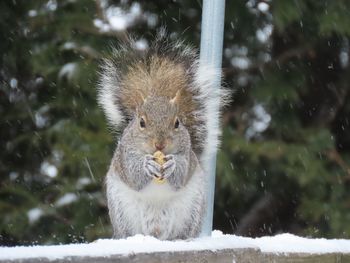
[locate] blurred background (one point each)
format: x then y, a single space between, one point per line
284 164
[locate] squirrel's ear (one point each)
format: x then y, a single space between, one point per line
142 97
139 100
176 98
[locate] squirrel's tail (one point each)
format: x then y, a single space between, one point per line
166 69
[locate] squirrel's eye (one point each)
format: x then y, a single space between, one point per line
177 123
142 123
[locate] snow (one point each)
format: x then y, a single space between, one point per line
69 45
51 5
34 214
47 168
152 19
240 62
264 33
68 70
82 182
344 58
262 118
13 83
32 13
118 23
66 199
291 243
263 7
118 19
141 44
260 122
41 119
13 176
283 243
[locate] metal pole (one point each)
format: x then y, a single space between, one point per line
213 16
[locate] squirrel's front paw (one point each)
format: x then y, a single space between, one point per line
169 166
151 167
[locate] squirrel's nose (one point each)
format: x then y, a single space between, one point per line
159 145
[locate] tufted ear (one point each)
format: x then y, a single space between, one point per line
139 100
176 99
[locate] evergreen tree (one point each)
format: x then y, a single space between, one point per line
284 163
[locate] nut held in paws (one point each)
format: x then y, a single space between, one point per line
159 157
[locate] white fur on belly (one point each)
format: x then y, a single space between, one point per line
155 192
156 208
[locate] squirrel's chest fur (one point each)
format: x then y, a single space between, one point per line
157 209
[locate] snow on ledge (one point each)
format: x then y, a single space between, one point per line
284 243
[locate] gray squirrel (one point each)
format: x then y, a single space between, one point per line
160 100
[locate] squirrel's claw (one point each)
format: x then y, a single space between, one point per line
169 157
151 167
169 166
149 157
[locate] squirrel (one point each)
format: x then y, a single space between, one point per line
162 100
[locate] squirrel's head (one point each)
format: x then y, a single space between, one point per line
158 127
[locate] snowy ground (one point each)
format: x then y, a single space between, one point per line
138 244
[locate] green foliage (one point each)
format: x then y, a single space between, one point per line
335 18
285 12
300 160
284 163
53 122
